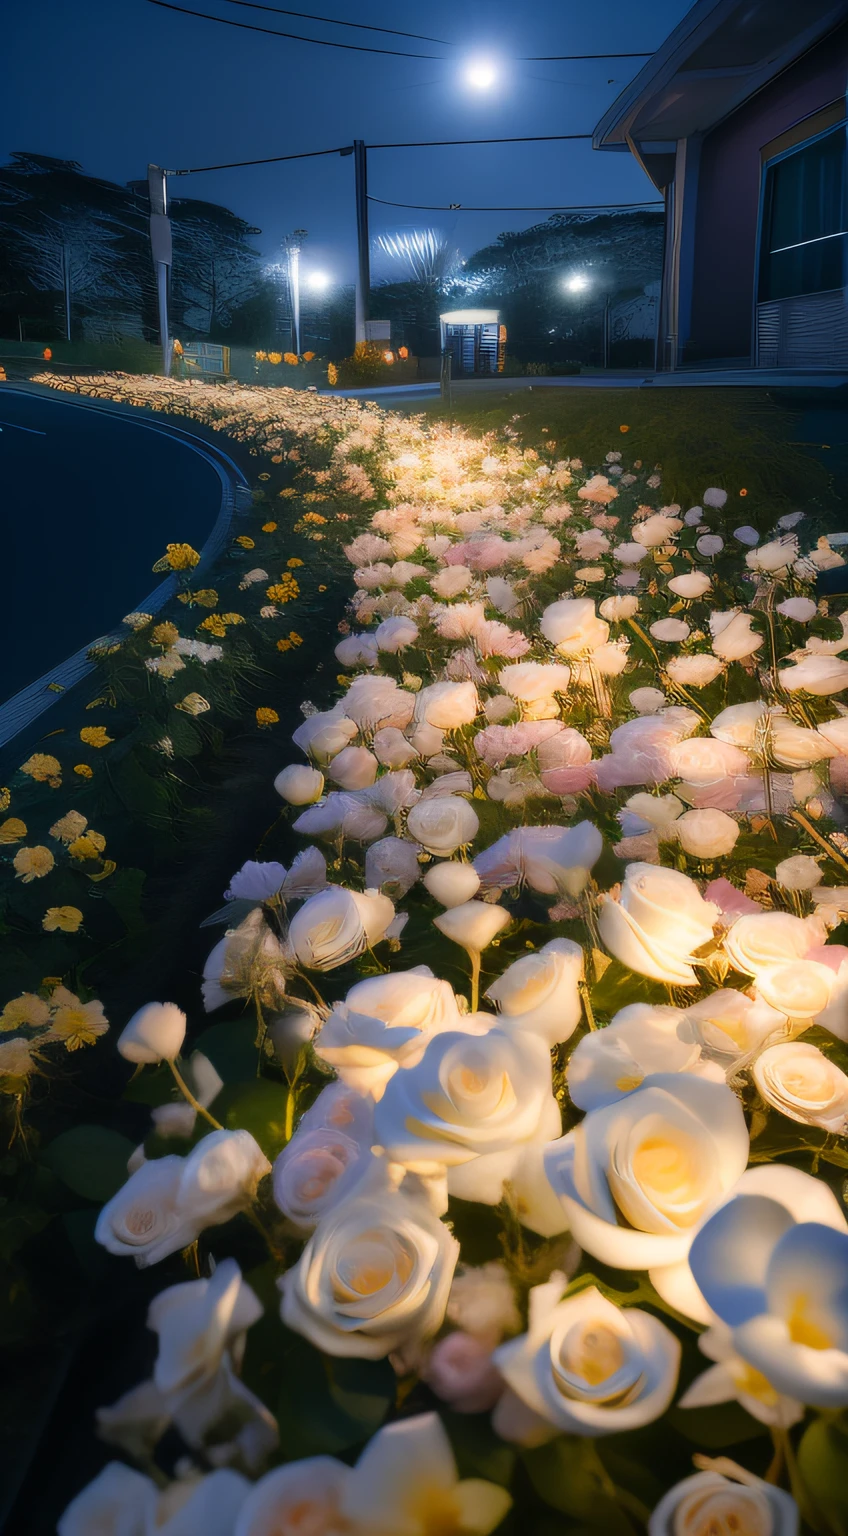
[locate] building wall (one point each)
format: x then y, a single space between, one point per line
729 193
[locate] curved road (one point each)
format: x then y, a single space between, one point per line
88 501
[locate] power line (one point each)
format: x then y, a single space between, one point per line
515 208
554 58
333 22
296 37
526 138
234 165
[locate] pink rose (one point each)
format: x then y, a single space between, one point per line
731 902
461 1373
496 743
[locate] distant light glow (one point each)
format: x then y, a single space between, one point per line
318 280
481 74
577 283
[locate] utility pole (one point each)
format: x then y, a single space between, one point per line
292 249
162 252
363 284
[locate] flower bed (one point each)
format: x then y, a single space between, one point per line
509 1179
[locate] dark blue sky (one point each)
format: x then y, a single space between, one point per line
115 83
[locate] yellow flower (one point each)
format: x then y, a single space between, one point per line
76 1023
291 358
295 638
322 589
95 736
88 847
193 704
17 1058
288 491
67 919
276 458
165 634
12 830
245 541
332 374
275 357
284 645
44 769
178 557
69 826
232 618
33 863
29 1009
214 625
283 592
6 796
269 527
261 357
265 717
84 771
293 563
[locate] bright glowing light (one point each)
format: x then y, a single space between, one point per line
481 74
577 283
318 280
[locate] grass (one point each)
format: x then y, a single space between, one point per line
745 440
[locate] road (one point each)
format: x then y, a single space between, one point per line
88 502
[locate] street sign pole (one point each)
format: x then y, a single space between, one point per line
162 252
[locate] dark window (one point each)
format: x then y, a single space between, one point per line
805 214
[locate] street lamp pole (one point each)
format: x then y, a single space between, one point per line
363 284
162 252
292 245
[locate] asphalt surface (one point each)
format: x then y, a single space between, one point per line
87 504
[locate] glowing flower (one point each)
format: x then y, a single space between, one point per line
33 863
708 1502
76 1023
44 769
95 736
66 919
13 830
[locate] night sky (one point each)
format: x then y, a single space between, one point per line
116 83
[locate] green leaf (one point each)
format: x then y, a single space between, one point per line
569 1475
722 1425
91 1160
822 1462
152 1086
230 1048
618 986
326 1405
258 1107
18 1223
478 1450
123 892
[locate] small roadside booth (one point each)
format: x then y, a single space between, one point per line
207 358
475 340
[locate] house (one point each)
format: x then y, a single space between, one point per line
739 119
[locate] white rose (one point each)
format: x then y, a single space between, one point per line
585 1367
694 671
535 685
641 1039
155 1033
322 736
703 760
709 1502
473 925
386 1023
392 749
637 1177
651 813
553 860
801 609
731 1026
707 834
656 530
345 813
734 636
472 1103
391 866
118 1502
573 627
670 630
819 675
800 873
540 993
313 1172
452 883
299 785
396 633
336 925
800 1081
375 1274
353 768
690 585
618 609
442 825
303 1496
774 556
249 958
764 939
452 580
357 651
482 1301
784 1231
447 705
169 1201
658 922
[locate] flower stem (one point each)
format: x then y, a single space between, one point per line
195 1103
475 979
817 838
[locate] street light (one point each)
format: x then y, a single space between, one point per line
318 281
481 74
577 283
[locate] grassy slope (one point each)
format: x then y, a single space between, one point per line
741 439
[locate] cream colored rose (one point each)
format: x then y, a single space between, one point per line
535 685
708 1504
818 675
670 630
573 627
641 1039
169 1201
637 1177
540 992
729 1025
447 705
658 922
694 671
473 1103
690 585
734 636
763 939
800 873
384 1023
443 824
336 925
656 530
375 1274
585 1367
707 834
299 785
800 1081
703 760
155 1033
452 883
617 609
353 768
452 580
322 736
